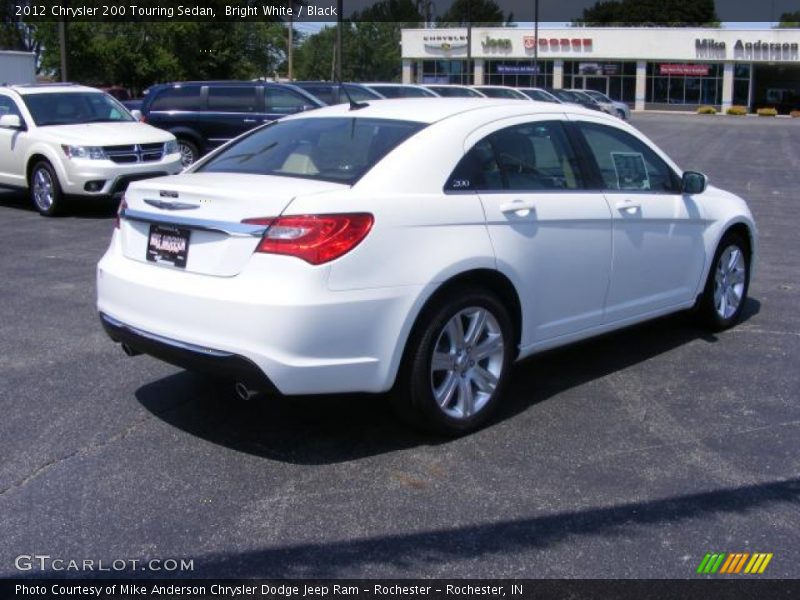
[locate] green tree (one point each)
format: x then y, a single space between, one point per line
370 44
790 20
15 34
477 12
672 13
139 54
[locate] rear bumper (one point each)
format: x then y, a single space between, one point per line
276 316
188 356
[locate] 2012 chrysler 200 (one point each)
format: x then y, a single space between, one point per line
417 245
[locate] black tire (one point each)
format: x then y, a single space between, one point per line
45 189
621 114
189 152
712 311
469 376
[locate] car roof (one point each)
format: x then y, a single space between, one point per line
431 110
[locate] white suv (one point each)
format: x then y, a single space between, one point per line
66 139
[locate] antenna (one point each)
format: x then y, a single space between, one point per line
353 104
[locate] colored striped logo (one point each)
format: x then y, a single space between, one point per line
736 562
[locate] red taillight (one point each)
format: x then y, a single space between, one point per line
122 206
316 239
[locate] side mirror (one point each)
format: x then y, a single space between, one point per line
11 122
136 114
694 182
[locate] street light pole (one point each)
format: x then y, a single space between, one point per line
62 44
338 53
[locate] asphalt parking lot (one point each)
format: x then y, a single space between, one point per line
628 456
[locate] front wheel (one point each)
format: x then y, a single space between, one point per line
189 152
728 281
457 364
45 189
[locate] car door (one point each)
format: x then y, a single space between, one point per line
550 234
658 250
12 146
281 101
231 110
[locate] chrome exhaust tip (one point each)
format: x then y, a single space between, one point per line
244 392
130 351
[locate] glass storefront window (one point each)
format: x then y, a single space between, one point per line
446 71
617 79
518 73
684 83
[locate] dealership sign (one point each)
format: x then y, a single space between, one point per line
693 70
518 69
558 44
445 42
758 50
490 43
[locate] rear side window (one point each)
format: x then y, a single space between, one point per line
529 157
627 163
232 99
178 98
338 149
285 102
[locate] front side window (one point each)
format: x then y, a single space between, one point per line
285 102
529 157
8 107
69 108
627 163
340 149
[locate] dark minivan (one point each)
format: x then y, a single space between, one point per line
205 114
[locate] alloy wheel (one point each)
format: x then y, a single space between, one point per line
467 362
43 189
729 281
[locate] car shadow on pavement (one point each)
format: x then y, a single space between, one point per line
338 428
75 207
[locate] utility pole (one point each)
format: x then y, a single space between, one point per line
536 44
290 48
470 69
338 53
62 44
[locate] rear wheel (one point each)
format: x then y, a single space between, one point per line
45 189
728 281
189 152
457 363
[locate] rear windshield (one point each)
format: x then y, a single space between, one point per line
74 107
403 91
339 149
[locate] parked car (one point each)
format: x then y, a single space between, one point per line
60 140
401 90
621 109
330 92
575 98
607 107
421 246
500 91
454 91
540 95
205 114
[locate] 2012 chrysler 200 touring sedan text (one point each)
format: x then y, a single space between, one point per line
421 245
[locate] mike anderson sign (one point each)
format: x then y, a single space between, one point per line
758 50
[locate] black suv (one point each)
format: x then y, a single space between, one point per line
205 114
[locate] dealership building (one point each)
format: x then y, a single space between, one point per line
649 68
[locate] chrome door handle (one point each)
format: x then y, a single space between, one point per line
521 208
249 120
629 207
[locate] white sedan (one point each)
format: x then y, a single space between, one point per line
419 246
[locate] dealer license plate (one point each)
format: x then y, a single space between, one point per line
167 244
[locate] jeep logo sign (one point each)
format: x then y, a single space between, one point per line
496 44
